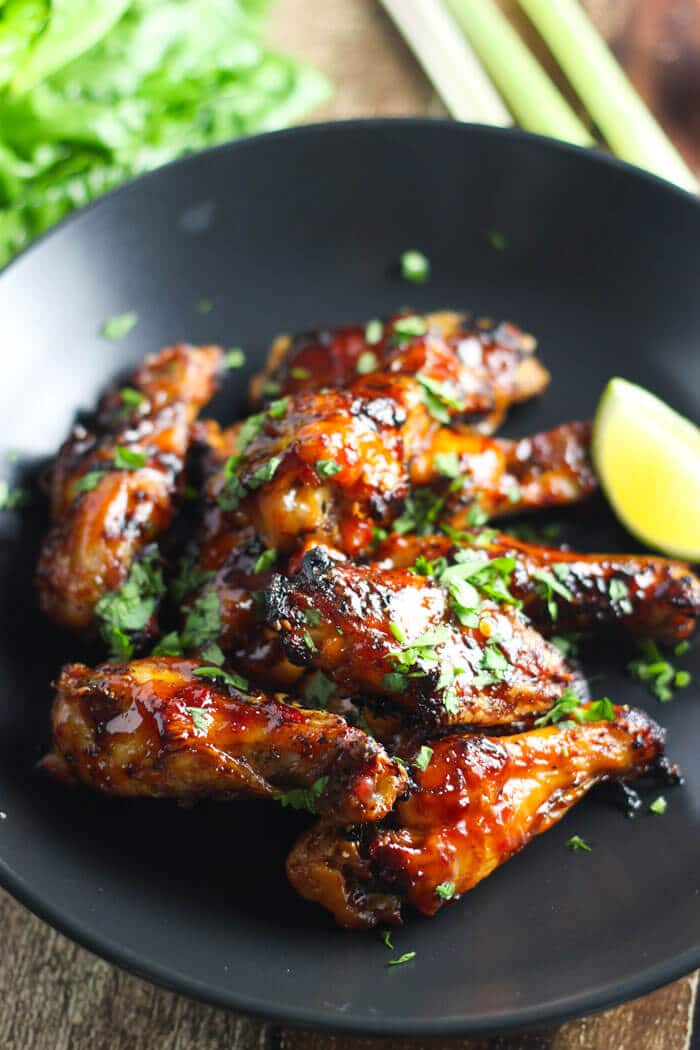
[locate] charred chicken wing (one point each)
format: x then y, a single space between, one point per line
449 653
172 728
488 366
479 801
563 590
115 483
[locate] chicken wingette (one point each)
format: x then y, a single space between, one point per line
562 590
172 728
452 654
489 366
478 801
115 482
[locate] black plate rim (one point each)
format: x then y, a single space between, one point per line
77 930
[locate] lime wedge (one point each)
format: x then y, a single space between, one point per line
647 458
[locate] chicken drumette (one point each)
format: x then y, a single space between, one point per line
479 801
172 728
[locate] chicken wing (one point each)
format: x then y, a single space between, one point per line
566 591
172 728
490 366
338 464
114 484
478 802
398 635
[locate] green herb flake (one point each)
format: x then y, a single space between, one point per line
309 642
205 306
447 464
551 586
130 397
169 645
129 458
682 679
202 620
125 611
318 690
659 674
313 617
119 326
228 678
367 362
266 560
620 595
438 398
397 632
326 468
446 890
386 939
682 648
498 241
407 328
406 957
304 798
374 330
658 806
234 358
576 843
394 683
299 373
379 535
200 719
415 267
213 654
422 759
89 481
271 388
476 516
278 409
264 473
12 498
513 494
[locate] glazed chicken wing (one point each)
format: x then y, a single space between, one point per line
338 464
489 366
172 728
115 483
392 633
479 801
566 591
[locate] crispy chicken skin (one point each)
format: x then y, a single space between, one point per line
479 801
655 597
154 728
334 465
346 620
491 366
105 510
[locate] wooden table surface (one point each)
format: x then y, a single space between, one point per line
56 996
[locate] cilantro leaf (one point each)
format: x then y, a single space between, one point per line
576 843
229 678
123 612
129 458
304 798
446 890
119 326
318 690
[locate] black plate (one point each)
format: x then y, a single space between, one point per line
279 232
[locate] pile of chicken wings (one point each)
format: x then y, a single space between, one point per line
312 606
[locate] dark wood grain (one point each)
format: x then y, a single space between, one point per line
56 996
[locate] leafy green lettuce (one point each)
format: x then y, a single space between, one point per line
94 93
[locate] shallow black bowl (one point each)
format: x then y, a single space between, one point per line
279 232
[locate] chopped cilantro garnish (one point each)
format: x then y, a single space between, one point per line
421 511
266 560
379 535
681 648
309 642
374 330
202 621
386 938
498 241
129 458
169 645
130 397
304 798
313 617
406 328
271 388
446 890
278 409
189 578
318 690
619 593
200 719
406 957
234 358
577 843
213 654
415 267
438 399
569 704
89 481
658 806
127 610
550 585
567 644
422 759
326 468
394 683
299 373
205 306
659 674
264 473
217 674
119 326
447 464
367 362
397 632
